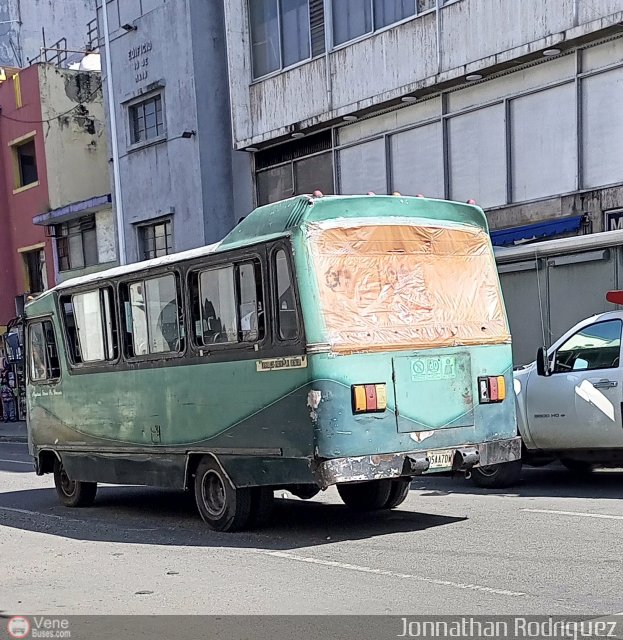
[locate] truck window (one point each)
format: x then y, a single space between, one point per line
597 346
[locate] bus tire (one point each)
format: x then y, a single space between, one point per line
497 476
262 503
72 493
221 506
398 493
370 495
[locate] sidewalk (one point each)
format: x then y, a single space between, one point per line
13 432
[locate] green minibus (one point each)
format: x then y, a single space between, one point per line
355 341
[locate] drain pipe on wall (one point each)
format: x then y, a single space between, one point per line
115 148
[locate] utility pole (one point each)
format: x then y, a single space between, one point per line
115 149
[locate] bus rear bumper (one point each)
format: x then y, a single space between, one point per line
413 463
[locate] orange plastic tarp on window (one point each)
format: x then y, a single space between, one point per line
403 286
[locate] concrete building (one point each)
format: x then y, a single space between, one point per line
28 25
514 103
181 184
56 218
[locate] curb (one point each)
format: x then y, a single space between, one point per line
14 439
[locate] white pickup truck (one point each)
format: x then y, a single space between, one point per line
569 402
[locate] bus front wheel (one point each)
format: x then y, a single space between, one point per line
221 506
72 493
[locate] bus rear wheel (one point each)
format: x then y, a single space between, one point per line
370 495
398 493
221 506
73 493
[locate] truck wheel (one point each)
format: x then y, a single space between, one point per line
262 503
366 496
222 506
398 493
72 493
578 467
497 476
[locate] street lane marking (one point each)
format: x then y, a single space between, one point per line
18 462
605 516
37 513
87 522
392 574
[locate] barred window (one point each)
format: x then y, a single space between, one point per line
155 239
146 120
76 244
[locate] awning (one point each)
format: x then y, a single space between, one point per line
73 210
532 232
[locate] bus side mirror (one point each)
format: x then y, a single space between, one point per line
542 362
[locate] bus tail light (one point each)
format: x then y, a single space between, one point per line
369 398
491 389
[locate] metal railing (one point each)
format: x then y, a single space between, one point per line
57 53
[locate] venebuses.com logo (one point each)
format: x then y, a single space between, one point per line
18 627
50 628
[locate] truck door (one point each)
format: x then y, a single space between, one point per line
579 405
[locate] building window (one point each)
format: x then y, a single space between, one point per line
284 32
34 267
352 20
295 168
76 244
146 120
25 164
155 239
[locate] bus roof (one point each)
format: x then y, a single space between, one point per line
281 217
277 220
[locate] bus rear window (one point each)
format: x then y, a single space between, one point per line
407 286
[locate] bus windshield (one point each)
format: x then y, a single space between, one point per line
385 286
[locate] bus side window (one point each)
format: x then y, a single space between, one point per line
250 303
90 326
230 306
43 355
218 322
153 316
286 306
71 331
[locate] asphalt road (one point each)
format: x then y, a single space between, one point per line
553 545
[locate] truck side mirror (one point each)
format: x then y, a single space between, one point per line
542 362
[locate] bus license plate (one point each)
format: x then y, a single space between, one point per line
440 459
